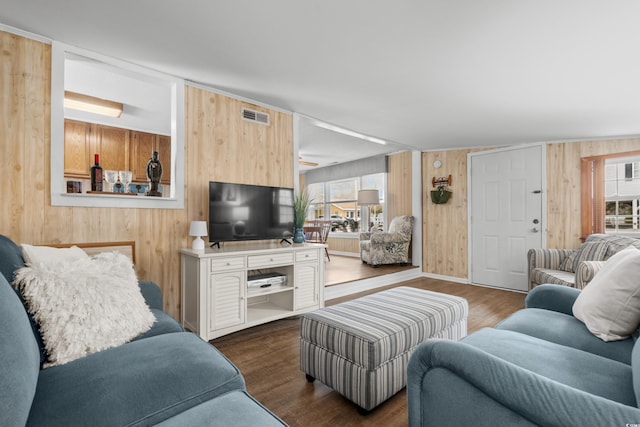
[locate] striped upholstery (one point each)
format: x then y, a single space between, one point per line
586 272
548 258
616 242
589 251
360 348
546 265
557 277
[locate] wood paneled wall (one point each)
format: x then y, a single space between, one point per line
24 135
563 185
445 230
399 185
444 227
219 145
344 244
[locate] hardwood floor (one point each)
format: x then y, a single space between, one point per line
268 357
343 269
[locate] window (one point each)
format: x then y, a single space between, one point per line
621 195
336 200
285 198
611 194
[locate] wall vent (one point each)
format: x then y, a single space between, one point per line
255 116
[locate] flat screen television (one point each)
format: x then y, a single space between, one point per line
249 212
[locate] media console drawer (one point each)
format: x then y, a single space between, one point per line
255 261
306 256
217 298
228 263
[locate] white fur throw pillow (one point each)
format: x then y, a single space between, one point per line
50 255
84 306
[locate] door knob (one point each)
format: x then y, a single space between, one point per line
534 230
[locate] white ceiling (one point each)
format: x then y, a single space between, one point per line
147 101
424 74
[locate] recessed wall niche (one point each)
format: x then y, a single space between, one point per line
152 104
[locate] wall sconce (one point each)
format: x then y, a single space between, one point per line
198 229
91 104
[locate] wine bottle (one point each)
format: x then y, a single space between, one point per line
96 174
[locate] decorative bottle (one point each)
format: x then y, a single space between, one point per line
96 174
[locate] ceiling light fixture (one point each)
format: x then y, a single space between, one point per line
91 104
306 163
348 132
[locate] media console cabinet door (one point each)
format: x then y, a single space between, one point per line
216 298
227 300
306 285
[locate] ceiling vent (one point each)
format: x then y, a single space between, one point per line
255 116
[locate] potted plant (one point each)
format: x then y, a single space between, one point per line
440 195
301 203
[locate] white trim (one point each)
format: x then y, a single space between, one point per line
214 89
59 197
462 280
554 141
543 180
517 291
469 147
416 207
345 131
27 34
349 254
23 33
593 138
348 288
296 152
343 234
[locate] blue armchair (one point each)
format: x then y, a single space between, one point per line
540 366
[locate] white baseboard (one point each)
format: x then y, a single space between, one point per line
349 254
462 280
344 289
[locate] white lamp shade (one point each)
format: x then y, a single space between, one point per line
368 197
198 228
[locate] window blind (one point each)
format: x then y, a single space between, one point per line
353 169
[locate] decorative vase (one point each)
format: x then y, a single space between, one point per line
298 235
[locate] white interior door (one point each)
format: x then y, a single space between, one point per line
506 214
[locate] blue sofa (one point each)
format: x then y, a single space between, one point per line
540 366
165 376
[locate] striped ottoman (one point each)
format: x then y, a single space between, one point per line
360 348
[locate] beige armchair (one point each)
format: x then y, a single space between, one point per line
575 267
391 247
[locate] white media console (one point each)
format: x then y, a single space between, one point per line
216 298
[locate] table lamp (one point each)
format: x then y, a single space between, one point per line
367 198
198 229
